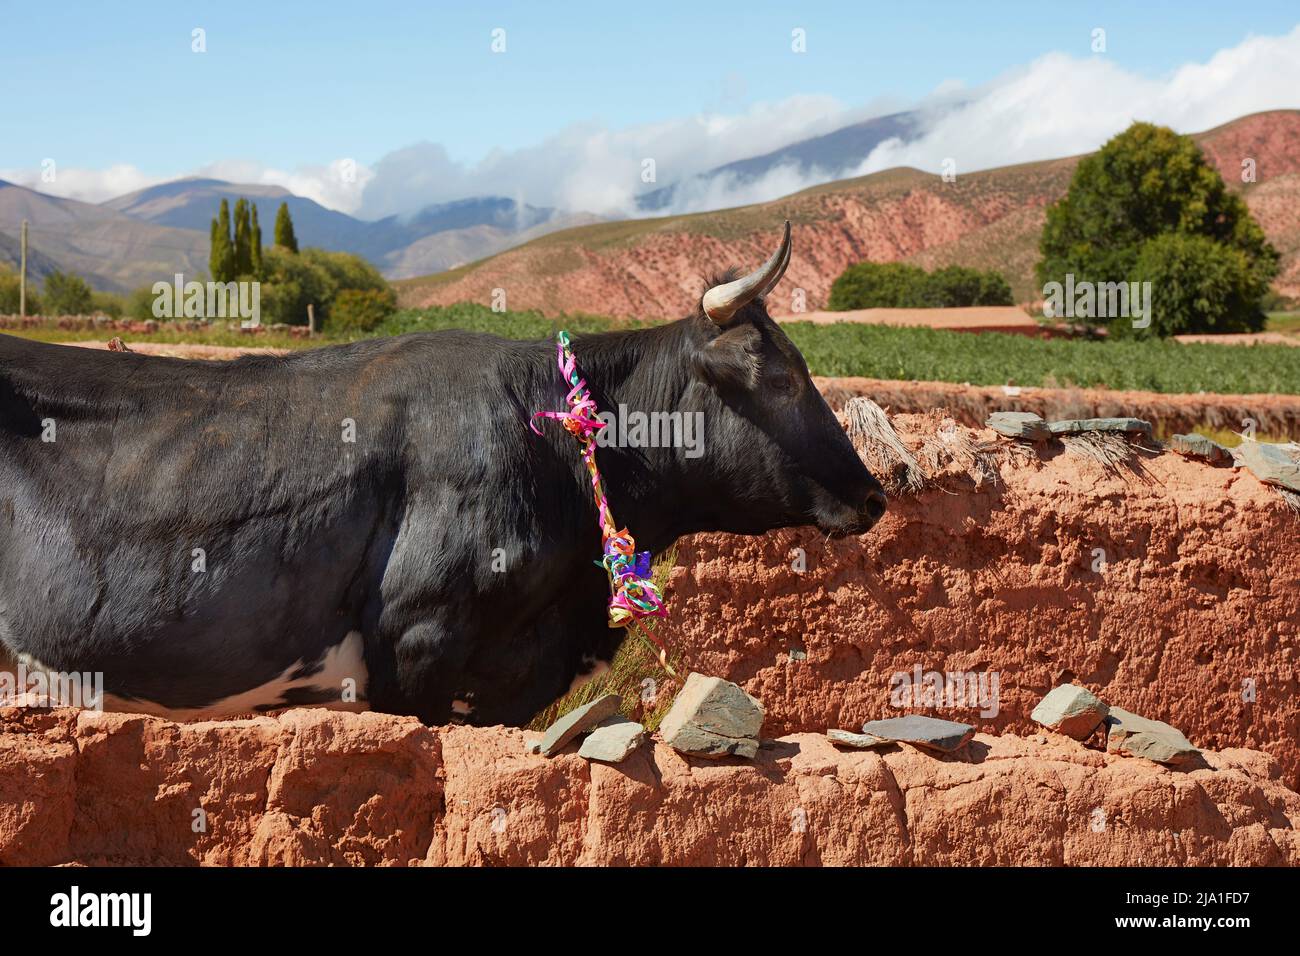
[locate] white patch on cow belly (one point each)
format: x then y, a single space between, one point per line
344 660
596 669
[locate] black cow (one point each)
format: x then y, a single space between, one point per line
206 536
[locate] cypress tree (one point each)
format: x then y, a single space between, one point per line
284 229
257 245
221 260
243 239
214 252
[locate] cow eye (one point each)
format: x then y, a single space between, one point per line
783 383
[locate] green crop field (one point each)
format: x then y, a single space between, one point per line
998 359
883 352
936 355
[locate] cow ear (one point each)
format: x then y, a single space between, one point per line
731 360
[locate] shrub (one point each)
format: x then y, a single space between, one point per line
897 285
67 294
139 304
360 310
956 286
316 277
108 303
10 293
878 285
291 283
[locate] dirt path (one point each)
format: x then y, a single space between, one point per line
995 318
185 351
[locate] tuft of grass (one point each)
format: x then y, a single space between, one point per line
880 448
635 662
1224 436
1290 499
1113 450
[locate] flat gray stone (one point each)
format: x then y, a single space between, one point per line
1198 446
1142 737
1075 426
577 721
1272 464
932 733
1071 710
613 740
1025 425
844 738
712 717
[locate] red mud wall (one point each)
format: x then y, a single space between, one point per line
314 787
1200 595
1274 415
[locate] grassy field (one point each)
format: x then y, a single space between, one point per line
890 353
1287 322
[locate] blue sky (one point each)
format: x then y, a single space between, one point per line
292 85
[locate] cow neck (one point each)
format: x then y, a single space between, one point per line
645 370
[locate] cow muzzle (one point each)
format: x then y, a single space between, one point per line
842 521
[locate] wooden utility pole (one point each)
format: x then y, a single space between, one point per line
311 321
22 273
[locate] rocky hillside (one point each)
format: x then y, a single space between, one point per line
655 268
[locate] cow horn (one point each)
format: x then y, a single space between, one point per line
780 273
723 301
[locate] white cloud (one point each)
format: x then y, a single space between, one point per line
88 185
1061 105
1058 105
338 185
593 169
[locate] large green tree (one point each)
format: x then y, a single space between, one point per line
284 229
1146 183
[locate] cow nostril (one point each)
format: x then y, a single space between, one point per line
876 505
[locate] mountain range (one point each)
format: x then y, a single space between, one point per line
657 267
565 261
154 232
824 157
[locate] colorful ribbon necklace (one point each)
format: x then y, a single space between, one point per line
632 594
